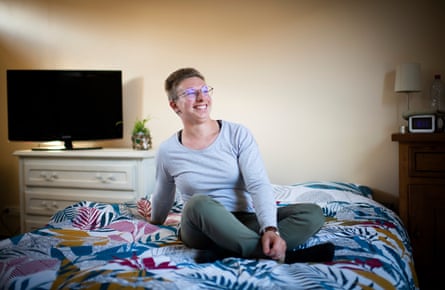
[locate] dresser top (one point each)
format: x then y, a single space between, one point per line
419 137
94 153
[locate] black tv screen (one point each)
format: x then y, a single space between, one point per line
64 105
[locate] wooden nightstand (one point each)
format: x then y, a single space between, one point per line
422 201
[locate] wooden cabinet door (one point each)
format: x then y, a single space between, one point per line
427 231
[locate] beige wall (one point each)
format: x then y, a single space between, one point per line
313 80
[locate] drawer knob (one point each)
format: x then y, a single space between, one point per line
45 205
417 234
111 178
49 205
49 176
107 179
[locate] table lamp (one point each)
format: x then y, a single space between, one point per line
408 81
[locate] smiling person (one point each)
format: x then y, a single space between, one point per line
229 207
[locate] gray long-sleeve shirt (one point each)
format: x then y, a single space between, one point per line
230 171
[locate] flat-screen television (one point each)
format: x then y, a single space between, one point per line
64 105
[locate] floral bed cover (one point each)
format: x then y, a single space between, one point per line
110 246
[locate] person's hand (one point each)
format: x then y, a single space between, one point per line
273 245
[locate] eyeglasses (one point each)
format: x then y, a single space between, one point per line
192 93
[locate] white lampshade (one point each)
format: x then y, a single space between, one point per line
408 78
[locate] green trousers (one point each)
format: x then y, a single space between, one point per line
207 224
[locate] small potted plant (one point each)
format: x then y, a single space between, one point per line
141 136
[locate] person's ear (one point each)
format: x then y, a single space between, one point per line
174 106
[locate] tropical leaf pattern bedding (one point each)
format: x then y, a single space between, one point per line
110 246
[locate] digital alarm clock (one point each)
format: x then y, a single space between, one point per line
425 123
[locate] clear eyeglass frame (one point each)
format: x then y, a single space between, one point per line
192 93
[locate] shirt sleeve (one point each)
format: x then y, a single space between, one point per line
256 179
164 191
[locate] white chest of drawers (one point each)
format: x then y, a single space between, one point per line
53 180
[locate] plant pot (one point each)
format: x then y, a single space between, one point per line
141 142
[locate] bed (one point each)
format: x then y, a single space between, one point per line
91 245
